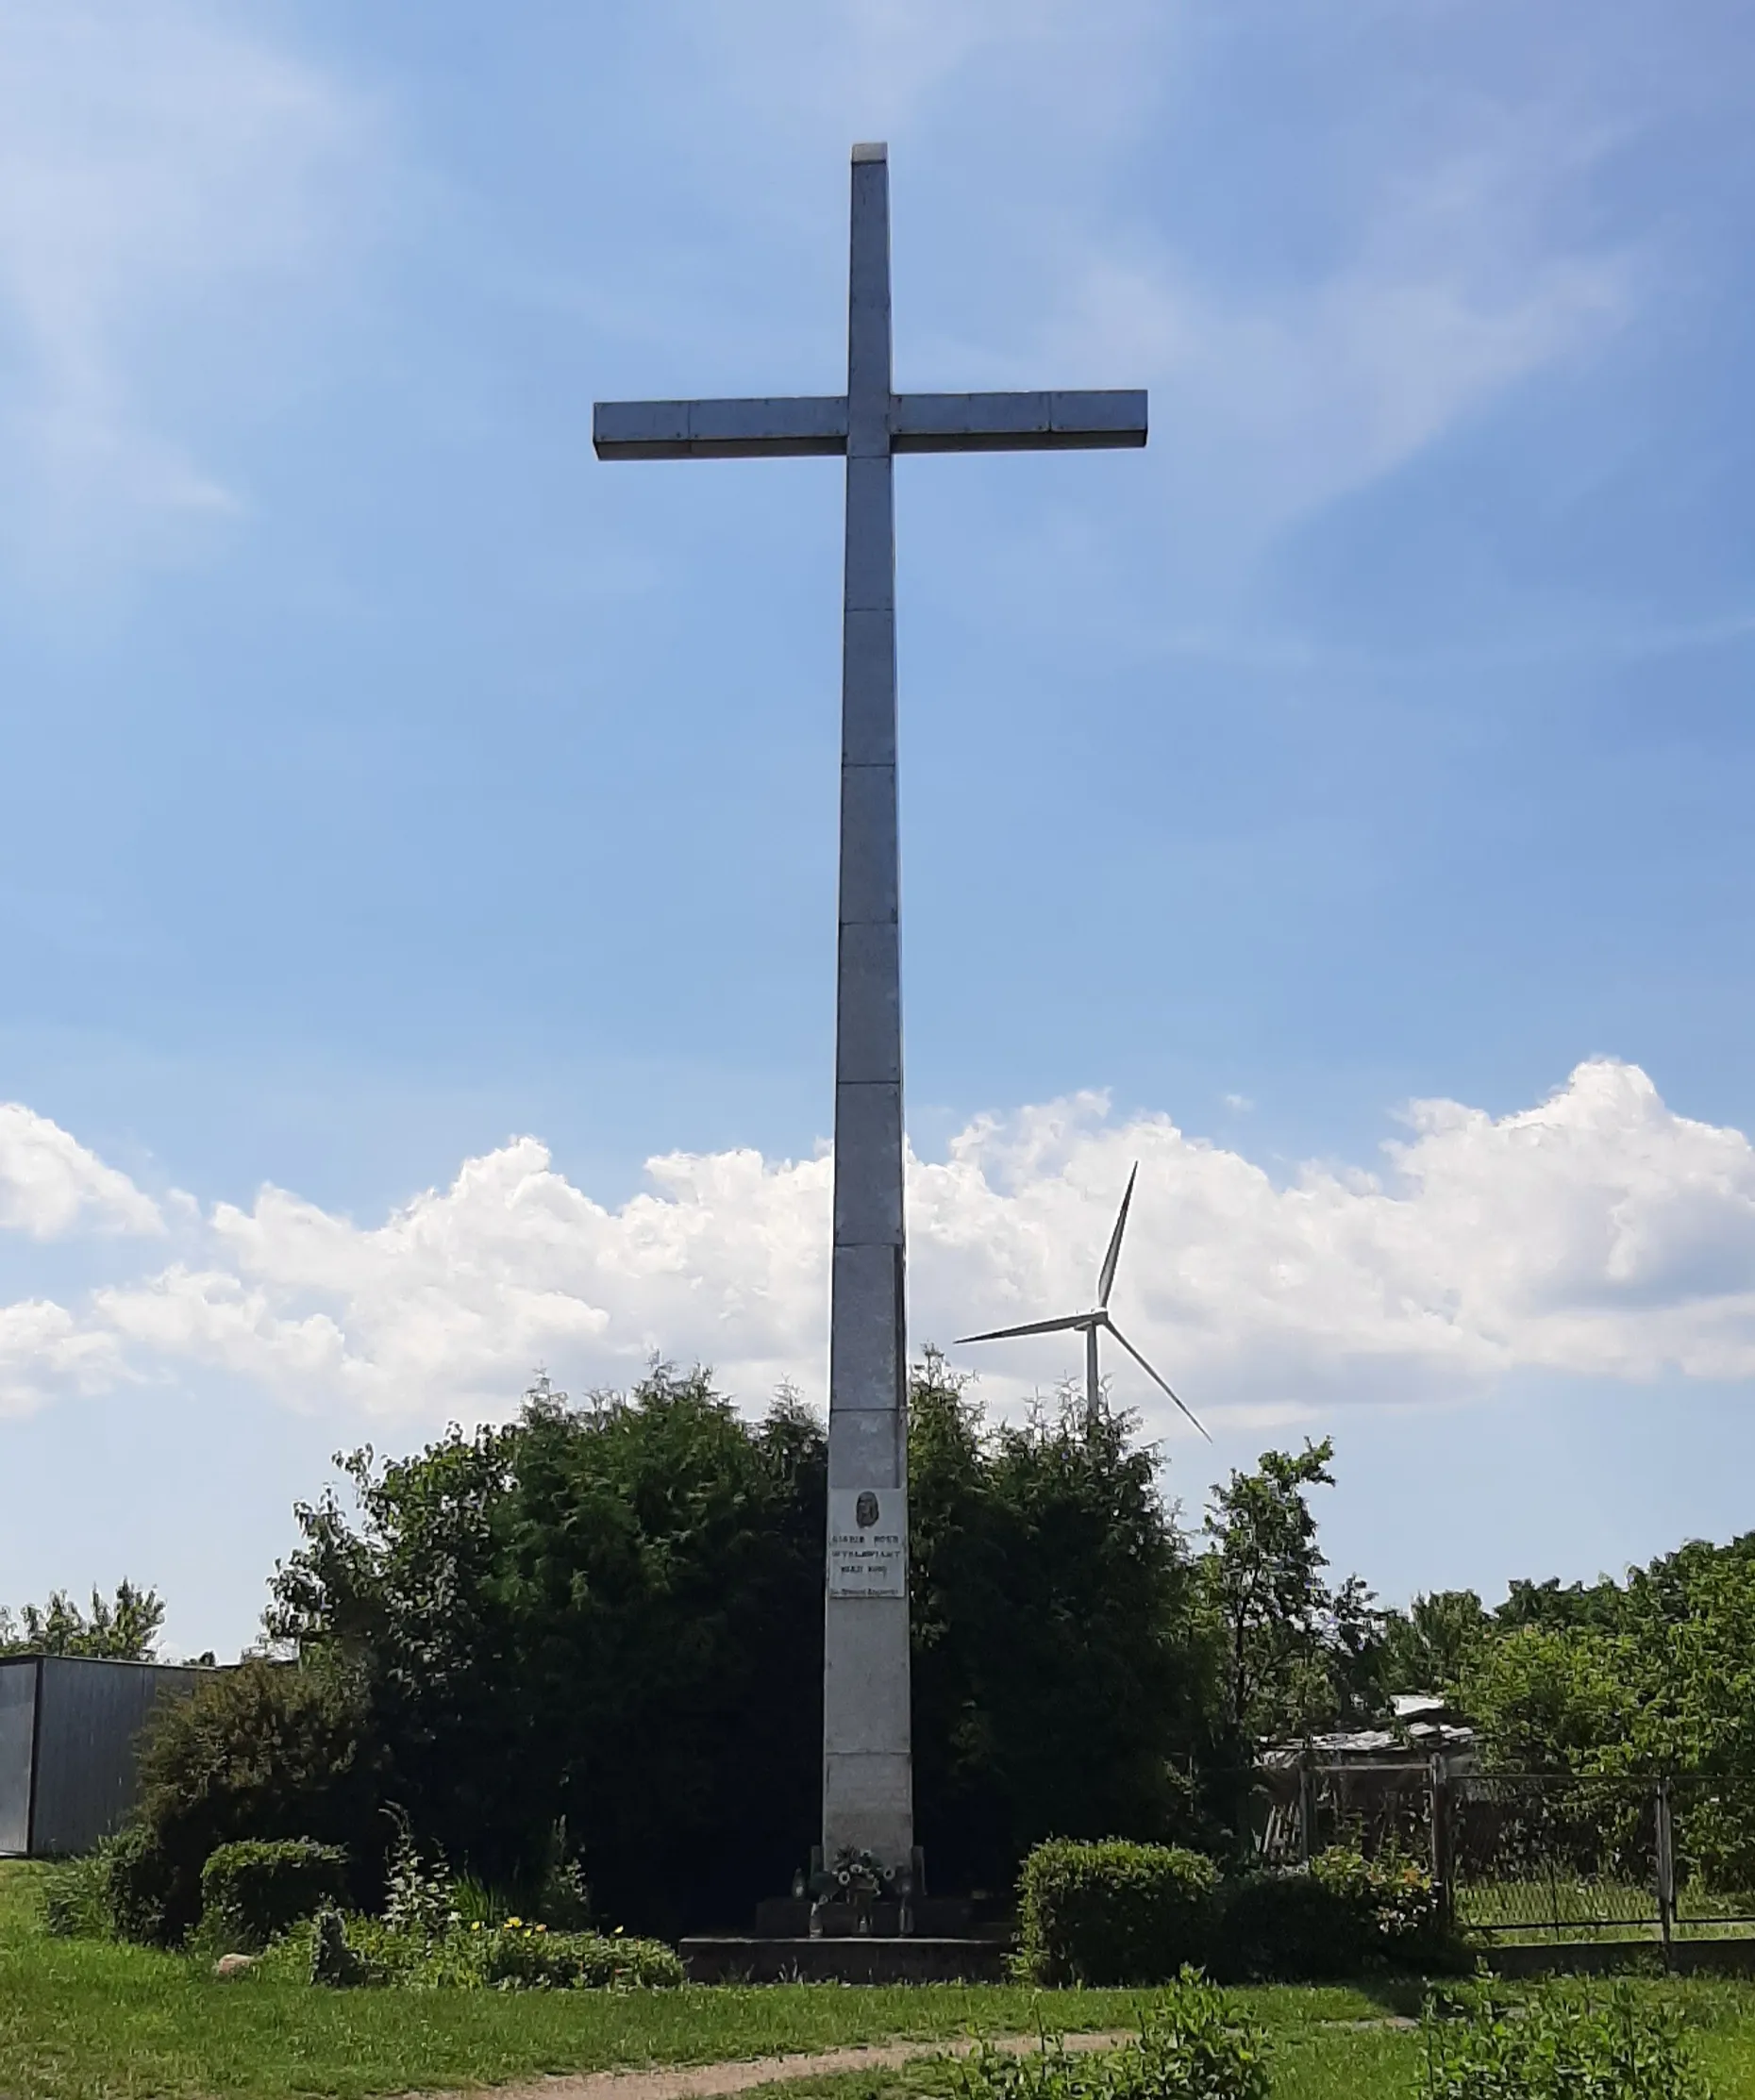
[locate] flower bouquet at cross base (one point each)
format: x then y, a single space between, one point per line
855 1877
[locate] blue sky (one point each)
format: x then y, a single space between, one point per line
386 785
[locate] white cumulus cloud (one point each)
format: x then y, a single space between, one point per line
45 1353
1598 1233
50 1185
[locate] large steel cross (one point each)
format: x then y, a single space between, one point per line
867 1782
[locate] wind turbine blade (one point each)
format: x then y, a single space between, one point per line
1151 1373
1035 1326
1106 1282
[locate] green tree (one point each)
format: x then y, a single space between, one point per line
124 1628
611 1613
1576 1605
1061 1673
1297 1655
1550 1700
1427 1647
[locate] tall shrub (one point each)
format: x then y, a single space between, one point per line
268 1750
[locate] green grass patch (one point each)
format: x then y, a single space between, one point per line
88 2020
1308 2063
84 2020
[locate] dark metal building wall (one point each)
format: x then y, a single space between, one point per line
18 1715
91 1716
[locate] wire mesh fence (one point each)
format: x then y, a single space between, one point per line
1524 1854
1712 1851
1518 1855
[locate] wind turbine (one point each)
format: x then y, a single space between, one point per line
1091 1324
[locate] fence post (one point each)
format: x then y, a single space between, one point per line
1438 1824
1307 1806
1666 1867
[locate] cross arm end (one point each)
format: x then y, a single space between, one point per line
1049 422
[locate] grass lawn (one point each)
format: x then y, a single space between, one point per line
81 2018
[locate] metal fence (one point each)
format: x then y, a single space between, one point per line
1518 1855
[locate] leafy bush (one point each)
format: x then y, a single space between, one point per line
254 1889
530 1958
563 1899
1113 1912
420 1893
513 1956
1341 1914
623 1602
1196 2045
618 1602
75 1897
139 1888
267 1750
1562 2042
1394 1903
1284 1927
1123 1913
1391 1896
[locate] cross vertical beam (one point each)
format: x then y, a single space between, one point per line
867 1784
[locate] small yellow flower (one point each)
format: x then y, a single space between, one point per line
619 1930
515 1921
477 1927
541 1928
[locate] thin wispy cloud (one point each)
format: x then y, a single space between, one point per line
1458 259
1273 400
165 169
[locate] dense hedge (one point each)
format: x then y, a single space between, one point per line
1121 1914
254 1889
1114 1912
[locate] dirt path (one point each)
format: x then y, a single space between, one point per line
705 2082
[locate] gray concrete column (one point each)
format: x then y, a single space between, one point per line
867 1773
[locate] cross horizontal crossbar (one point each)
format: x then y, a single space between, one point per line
804 426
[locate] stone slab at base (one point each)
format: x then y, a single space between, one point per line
936 1917
918 1959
